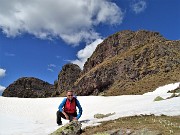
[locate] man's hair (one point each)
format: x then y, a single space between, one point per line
70 91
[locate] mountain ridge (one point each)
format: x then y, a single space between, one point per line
127 62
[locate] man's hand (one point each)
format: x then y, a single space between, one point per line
74 118
67 117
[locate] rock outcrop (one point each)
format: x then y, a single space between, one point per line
67 76
130 62
29 87
72 128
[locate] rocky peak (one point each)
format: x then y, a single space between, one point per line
127 62
29 87
67 76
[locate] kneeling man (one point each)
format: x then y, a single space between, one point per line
67 108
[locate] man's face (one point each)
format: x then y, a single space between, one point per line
69 95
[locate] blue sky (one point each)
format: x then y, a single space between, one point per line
37 38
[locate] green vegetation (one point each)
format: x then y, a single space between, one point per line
158 98
164 125
100 116
71 128
175 91
172 96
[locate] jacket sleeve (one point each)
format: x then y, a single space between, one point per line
62 105
80 109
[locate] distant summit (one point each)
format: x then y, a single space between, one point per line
29 87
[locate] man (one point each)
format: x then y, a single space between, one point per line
67 108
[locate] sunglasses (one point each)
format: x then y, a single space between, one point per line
70 95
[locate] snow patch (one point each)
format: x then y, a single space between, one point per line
162 91
37 116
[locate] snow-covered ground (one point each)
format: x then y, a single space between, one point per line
37 116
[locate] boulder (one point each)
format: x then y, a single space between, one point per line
72 128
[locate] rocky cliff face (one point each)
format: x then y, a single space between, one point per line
130 62
67 76
120 43
29 87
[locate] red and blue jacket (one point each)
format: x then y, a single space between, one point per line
69 106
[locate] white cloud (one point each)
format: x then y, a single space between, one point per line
2 88
2 72
52 65
139 6
49 69
85 53
71 20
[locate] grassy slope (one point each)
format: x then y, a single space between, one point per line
163 124
147 84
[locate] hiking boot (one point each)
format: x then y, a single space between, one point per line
60 123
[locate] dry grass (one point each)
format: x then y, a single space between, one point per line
147 84
164 124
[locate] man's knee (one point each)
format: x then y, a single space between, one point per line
59 114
